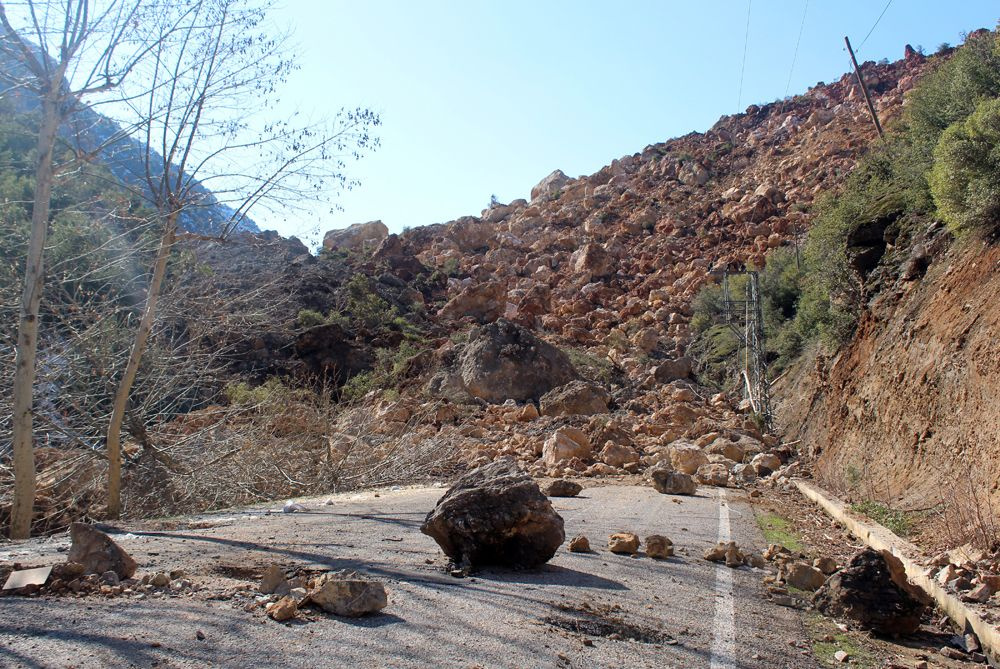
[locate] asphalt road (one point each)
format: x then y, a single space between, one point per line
581 610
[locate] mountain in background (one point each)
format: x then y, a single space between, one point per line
125 158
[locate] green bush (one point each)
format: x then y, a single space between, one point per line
965 180
392 367
951 92
309 318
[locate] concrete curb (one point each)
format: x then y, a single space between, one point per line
881 538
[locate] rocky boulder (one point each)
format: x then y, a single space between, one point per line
575 398
356 237
593 260
97 552
659 546
484 302
349 594
618 455
685 457
503 361
865 593
669 482
562 488
565 444
674 370
496 515
625 543
549 185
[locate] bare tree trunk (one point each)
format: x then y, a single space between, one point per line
27 329
132 367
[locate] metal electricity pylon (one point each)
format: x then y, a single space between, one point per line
745 319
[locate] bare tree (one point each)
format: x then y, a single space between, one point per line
199 106
65 51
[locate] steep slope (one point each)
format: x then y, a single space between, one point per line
613 260
908 413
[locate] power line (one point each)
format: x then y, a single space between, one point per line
795 55
743 67
884 10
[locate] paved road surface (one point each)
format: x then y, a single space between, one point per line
578 611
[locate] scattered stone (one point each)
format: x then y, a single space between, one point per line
496 514
981 594
802 576
728 552
562 488
199 635
579 544
292 507
274 581
865 593
97 552
775 551
658 546
841 656
827 565
669 482
160 580
625 543
283 609
347 594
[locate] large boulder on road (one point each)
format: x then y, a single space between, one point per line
669 482
496 515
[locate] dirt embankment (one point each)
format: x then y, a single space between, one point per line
908 413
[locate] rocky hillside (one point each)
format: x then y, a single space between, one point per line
556 330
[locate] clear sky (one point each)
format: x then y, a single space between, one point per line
483 97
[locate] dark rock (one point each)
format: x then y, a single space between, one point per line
503 361
496 515
562 488
670 482
865 593
330 350
97 552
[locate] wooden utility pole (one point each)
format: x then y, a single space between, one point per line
864 89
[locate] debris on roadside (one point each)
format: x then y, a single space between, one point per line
562 488
623 543
342 593
865 593
659 546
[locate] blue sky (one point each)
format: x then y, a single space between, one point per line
487 97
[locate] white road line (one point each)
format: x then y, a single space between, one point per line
724 625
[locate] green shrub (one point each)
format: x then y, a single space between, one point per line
965 180
309 318
951 92
592 367
392 367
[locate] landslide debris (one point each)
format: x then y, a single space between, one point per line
495 515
